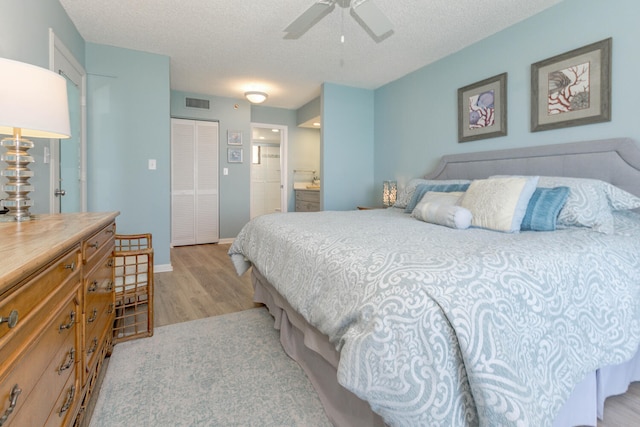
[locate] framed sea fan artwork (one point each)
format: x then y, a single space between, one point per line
573 88
482 109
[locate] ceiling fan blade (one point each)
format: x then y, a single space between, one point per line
309 18
370 16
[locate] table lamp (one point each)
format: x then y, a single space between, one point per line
33 103
389 192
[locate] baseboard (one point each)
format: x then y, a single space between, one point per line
162 268
227 241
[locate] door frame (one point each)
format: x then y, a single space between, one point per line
61 58
284 183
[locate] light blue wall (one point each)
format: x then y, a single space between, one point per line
128 124
347 147
416 116
24 36
232 114
309 111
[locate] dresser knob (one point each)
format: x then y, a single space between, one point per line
11 320
71 266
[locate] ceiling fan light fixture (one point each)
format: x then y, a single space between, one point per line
256 97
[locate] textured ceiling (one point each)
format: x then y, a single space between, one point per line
224 48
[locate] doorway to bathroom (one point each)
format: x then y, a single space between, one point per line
268 169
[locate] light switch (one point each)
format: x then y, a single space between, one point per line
225 171
152 164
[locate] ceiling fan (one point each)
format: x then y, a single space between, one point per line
364 11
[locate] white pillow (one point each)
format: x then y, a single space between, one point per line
499 203
440 208
590 202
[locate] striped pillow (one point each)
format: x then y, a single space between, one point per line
543 209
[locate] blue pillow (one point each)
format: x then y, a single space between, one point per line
422 189
543 209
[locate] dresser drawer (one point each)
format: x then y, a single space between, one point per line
35 303
63 409
93 246
22 302
43 370
307 207
95 341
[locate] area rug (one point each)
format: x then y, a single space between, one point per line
227 370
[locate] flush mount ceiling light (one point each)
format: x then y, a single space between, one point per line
255 97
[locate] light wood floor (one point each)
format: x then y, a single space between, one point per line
203 283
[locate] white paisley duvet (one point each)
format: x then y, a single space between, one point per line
447 327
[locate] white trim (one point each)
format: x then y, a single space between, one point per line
227 241
162 268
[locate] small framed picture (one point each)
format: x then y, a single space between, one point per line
234 137
482 109
234 155
573 88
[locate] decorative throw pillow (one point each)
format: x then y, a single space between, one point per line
543 209
405 194
440 208
422 189
587 204
590 202
499 203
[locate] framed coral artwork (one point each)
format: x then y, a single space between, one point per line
573 88
482 109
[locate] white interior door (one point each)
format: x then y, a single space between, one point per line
194 182
206 196
68 156
183 212
268 169
68 190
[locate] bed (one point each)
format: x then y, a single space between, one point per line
398 321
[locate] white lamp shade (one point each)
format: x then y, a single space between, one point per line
33 99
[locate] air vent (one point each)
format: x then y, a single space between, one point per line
198 103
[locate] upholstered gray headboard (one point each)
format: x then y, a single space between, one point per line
613 160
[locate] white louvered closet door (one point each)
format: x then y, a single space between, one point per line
194 182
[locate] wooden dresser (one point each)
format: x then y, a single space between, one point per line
56 315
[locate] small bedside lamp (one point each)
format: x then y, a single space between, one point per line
389 191
33 103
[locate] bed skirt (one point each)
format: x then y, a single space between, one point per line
319 359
